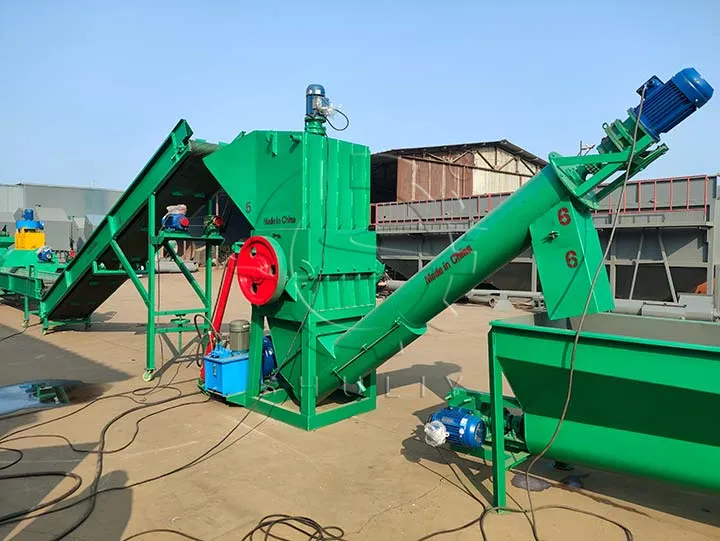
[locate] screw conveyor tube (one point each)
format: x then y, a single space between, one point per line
505 233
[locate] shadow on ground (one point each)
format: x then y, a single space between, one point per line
108 520
605 487
25 358
437 377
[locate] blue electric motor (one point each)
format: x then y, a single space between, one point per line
668 104
45 254
175 222
28 221
459 426
268 357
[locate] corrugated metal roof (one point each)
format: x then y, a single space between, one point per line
504 144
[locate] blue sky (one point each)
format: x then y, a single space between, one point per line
90 89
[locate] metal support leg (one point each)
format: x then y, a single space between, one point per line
208 272
257 332
637 263
671 284
534 275
150 346
26 299
308 392
497 422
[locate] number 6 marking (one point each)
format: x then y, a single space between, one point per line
571 259
563 216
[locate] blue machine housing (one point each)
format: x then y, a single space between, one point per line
668 104
226 371
463 426
29 222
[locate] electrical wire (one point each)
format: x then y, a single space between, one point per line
27 513
600 267
304 525
480 521
140 391
162 530
347 121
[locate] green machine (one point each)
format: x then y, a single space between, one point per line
27 266
309 270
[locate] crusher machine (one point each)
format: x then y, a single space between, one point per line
645 391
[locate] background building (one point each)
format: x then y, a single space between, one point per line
59 207
445 172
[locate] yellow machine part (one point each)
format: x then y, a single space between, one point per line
29 240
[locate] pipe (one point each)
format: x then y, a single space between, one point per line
394 285
485 248
219 314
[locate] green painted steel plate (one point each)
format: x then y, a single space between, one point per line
645 395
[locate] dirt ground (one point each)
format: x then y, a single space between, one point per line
371 475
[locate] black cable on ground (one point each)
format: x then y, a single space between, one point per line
24 514
162 530
132 439
95 492
53 501
124 394
19 453
480 520
304 525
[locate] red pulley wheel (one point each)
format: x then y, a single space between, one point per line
261 270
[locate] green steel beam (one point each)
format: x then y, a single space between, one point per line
129 271
186 272
151 263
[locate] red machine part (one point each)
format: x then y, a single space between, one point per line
259 271
260 268
184 221
221 305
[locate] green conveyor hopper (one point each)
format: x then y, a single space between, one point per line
645 392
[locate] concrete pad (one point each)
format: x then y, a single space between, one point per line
372 475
